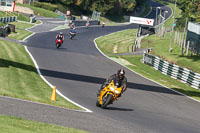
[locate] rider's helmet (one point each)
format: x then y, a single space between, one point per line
61 33
120 73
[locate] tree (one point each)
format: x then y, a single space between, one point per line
128 5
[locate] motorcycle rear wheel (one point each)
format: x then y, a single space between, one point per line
108 100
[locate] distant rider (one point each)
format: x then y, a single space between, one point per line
72 31
121 78
60 36
103 24
72 25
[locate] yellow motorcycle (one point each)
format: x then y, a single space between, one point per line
108 94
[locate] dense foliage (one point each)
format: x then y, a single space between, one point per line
45 5
190 11
106 7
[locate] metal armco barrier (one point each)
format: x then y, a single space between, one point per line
83 23
183 74
8 19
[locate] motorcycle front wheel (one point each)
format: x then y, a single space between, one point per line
57 45
98 104
107 101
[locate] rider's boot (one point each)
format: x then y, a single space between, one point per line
98 93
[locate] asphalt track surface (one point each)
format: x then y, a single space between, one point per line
78 69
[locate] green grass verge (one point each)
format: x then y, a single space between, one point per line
122 44
2 24
62 27
40 11
6 14
19 78
151 73
161 47
11 124
20 32
37 22
157 76
20 17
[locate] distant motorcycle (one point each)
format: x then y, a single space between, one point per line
58 43
87 25
109 94
72 35
103 24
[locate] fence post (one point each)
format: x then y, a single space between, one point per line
184 45
188 43
192 47
175 37
179 39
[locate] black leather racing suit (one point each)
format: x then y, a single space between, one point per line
122 82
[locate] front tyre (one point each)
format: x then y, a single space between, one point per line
98 104
71 36
57 45
107 101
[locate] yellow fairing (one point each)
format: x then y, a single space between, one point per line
110 89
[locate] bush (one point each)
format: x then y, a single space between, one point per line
46 6
22 17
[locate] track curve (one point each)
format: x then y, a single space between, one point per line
78 69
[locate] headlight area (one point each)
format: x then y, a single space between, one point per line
112 89
116 91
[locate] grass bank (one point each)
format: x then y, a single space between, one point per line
147 71
20 32
117 42
161 47
20 79
20 17
40 11
10 124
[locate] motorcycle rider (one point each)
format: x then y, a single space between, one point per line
121 79
60 36
72 30
72 25
72 33
103 24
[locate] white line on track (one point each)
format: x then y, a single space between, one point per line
57 91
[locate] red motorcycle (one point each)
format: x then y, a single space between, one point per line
58 43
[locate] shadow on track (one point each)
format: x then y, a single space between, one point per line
82 78
118 109
97 80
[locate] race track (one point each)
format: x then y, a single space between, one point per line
78 69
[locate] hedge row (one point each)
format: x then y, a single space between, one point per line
46 6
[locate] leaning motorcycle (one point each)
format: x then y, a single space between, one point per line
109 94
72 35
58 43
